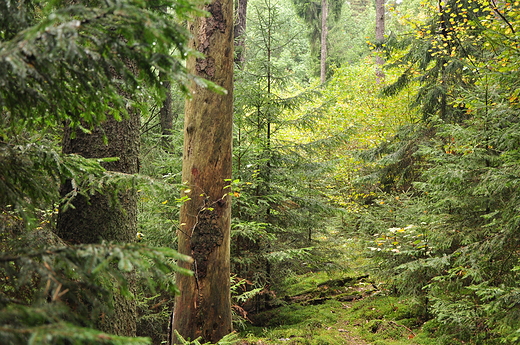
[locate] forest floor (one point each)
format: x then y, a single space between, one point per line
348 310
336 307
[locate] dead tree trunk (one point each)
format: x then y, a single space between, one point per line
203 308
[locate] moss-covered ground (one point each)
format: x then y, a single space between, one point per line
337 307
360 315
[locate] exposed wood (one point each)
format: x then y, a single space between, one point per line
203 309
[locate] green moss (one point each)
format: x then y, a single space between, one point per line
306 283
379 319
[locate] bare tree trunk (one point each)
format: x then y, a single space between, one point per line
324 33
203 307
380 38
240 30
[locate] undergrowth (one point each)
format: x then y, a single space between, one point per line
345 306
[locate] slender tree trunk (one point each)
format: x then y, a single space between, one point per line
443 111
380 37
269 112
166 117
203 307
324 34
239 31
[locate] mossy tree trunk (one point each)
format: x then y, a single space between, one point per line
100 217
203 307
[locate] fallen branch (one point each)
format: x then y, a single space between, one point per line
398 325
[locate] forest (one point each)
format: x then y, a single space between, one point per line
259 172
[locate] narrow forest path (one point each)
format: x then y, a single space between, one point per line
337 308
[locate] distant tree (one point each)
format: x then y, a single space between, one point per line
240 31
315 13
166 117
203 308
380 37
276 207
347 37
324 33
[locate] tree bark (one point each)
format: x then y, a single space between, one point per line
99 217
239 32
380 38
324 34
166 117
203 308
